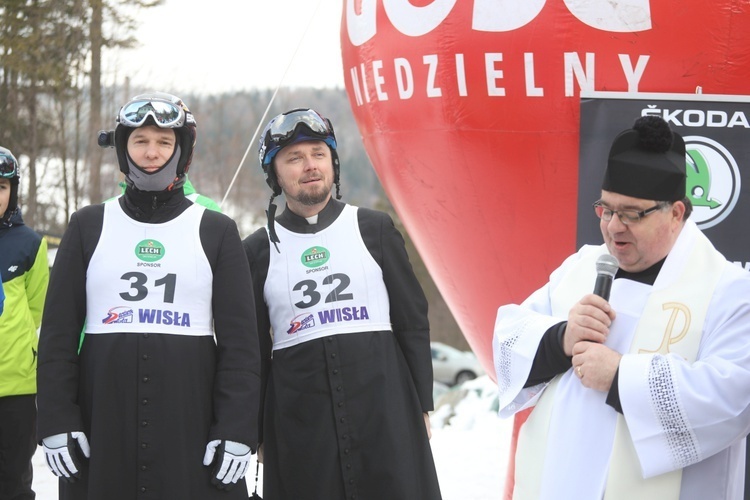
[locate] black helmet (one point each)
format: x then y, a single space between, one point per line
160 109
9 170
297 125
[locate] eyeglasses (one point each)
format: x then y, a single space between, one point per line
626 216
166 114
286 126
8 166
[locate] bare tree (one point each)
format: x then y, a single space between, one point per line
40 41
117 14
94 153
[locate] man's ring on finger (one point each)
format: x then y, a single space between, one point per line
579 372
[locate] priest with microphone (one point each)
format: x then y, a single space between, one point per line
640 390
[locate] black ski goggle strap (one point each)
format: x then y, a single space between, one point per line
286 126
8 166
165 114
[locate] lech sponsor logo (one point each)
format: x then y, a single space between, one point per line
149 250
315 256
713 180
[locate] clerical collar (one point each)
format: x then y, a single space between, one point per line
647 276
309 225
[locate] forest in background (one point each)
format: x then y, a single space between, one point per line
54 100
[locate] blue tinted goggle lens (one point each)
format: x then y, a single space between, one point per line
8 166
165 114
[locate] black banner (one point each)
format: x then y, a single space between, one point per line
716 130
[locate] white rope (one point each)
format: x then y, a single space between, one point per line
270 102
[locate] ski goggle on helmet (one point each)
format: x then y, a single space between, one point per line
166 110
293 126
8 164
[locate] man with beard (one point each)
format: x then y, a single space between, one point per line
346 361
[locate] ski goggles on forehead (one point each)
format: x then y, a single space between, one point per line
285 126
294 124
8 166
164 113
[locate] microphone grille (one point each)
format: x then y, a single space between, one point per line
607 264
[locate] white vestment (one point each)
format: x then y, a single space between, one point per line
681 416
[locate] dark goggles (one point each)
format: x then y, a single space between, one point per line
288 125
283 128
165 114
8 166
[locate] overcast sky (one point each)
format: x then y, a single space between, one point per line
212 46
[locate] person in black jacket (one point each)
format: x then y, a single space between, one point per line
162 399
347 372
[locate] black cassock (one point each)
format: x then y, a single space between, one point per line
343 414
149 403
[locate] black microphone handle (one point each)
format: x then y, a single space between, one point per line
603 286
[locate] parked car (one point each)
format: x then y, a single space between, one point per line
452 366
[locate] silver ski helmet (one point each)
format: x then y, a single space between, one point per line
164 111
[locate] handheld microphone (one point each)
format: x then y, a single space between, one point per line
606 268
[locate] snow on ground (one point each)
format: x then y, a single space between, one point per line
469 442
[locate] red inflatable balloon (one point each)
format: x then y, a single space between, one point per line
469 112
